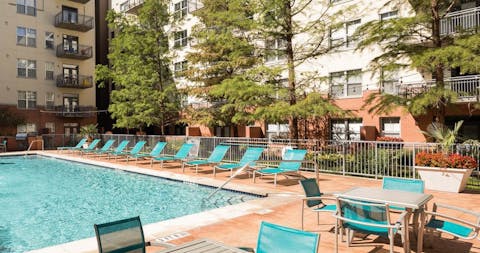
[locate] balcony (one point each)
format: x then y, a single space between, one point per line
459 21
80 1
466 87
131 6
76 82
82 53
73 21
75 111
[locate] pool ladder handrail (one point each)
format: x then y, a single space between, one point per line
228 181
31 144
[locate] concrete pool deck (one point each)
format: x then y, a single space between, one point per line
238 225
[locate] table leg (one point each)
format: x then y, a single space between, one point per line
406 238
421 229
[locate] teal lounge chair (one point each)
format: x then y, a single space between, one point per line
314 199
368 218
78 146
216 157
156 151
135 150
291 164
91 146
118 149
248 159
465 225
106 147
280 239
181 155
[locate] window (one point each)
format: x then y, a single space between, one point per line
27 128
180 39
49 40
26 68
27 99
344 34
180 10
351 28
277 130
388 15
345 129
179 68
346 83
50 126
27 7
50 101
26 37
275 50
49 68
390 82
390 126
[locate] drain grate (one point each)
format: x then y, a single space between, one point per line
172 237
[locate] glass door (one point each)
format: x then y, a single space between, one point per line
70 102
70 75
70 15
70 44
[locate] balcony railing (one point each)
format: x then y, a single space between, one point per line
74 21
466 87
76 82
75 111
80 1
82 52
458 21
131 6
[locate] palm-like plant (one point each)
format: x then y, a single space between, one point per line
443 135
89 130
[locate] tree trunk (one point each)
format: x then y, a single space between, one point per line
439 69
292 97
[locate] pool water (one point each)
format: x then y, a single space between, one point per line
46 201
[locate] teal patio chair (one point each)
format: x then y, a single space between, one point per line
251 155
106 148
90 147
291 164
453 225
215 157
119 148
156 151
403 184
280 239
123 236
135 150
314 199
181 155
76 147
368 218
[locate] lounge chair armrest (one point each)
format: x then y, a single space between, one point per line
463 210
160 244
330 193
247 249
465 222
320 198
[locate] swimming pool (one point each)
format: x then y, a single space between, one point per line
47 201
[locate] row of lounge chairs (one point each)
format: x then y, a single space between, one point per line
291 162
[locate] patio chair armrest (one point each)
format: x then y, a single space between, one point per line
401 219
247 249
320 198
331 194
463 210
465 222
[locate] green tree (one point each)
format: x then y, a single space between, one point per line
416 41
223 52
145 93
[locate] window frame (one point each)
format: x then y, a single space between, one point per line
182 10
28 37
27 7
393 120
48 39
48 70
30 72
50 100
345 85
277 50
29 97
180 39
388 15
348 133
179 68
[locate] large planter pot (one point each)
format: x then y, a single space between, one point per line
444 179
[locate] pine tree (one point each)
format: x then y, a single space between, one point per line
145 93
418 38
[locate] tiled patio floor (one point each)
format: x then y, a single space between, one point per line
242 231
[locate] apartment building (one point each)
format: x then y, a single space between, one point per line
349 80
47 52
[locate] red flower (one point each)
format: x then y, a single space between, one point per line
445 161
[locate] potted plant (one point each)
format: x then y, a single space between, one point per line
88 131
444 170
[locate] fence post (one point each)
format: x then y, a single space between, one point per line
413 162
343 158
376 161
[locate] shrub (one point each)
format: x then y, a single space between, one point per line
389 139
445 161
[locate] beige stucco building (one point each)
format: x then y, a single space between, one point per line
47 62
